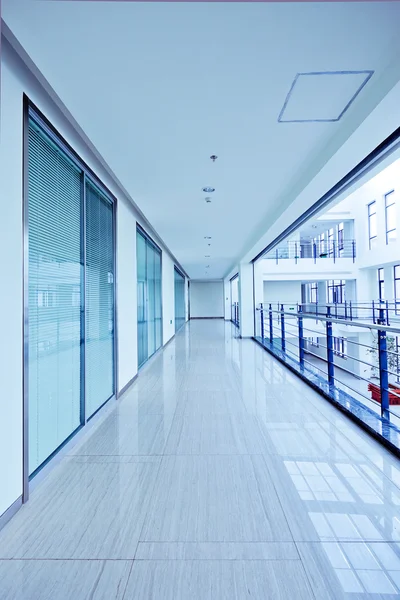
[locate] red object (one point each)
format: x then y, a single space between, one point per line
376 393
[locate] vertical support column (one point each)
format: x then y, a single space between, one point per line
383 373
258 269
262 319
329 345
246 300
271 324
301 337
283 329
228 312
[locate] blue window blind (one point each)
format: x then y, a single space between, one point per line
149 314
54 289
99 300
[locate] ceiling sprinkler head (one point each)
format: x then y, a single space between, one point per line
208 200
213 157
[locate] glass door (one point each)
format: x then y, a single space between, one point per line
149 297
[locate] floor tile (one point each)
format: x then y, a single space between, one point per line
214 499
218 580
129 434
352 571
335 500
217 551
91 510
216 434
63 580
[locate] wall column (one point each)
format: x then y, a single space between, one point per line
246 300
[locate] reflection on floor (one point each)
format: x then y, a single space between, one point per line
218 475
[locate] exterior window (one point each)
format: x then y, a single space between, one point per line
340 238
336 291
322 244
372 225
331 241
381 284
390 217
314 341
313 291
340 346
397 359
397 288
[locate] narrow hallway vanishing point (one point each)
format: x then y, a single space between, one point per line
218 475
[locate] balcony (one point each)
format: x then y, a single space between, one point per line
348 353
314 251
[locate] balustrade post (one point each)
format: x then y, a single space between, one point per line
383 374
271 325
262 320
283 329
301 336
329 345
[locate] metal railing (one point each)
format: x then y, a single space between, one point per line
364 365
235 313
313 250
377 311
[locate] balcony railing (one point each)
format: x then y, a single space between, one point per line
313 250
359 372
377 311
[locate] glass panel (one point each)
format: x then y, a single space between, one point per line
99 343
54 284
372 226
151 300
179 300
142 299
158 299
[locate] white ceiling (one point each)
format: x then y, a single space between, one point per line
159 87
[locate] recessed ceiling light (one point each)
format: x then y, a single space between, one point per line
208 190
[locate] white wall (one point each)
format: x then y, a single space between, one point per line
168 298
17 79
126 294
11 297
206 299
284 292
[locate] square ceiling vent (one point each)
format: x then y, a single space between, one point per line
322 97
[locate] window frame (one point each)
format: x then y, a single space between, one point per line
381 284
387 206
370 215
396 277
340 346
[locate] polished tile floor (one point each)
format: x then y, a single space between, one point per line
219 475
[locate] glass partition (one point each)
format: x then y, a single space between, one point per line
149 297
180 312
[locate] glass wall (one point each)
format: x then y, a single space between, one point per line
99 341
180 309
55 296
149 296
69 336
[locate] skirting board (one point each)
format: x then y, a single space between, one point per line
10 512
127 386
206 318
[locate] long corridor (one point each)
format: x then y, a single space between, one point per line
219 475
